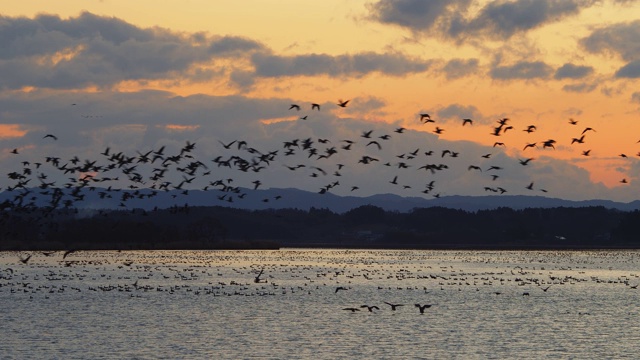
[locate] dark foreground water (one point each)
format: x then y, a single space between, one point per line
206 304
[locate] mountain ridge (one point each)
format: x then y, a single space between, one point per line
280 198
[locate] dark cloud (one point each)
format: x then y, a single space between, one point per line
570 71
631 70
268 65
522 70
416 15
457 68
621 39
454 18
580 87
91 50
501 20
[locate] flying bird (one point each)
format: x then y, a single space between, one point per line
525 161
423 307
393 306
50 136
25 259
425 118
370 308
343 103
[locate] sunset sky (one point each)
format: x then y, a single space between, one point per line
135 76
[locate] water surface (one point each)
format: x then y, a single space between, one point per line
206 304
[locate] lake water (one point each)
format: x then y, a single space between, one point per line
206 304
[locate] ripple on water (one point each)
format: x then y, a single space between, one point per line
205 304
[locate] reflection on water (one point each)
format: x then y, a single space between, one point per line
207 304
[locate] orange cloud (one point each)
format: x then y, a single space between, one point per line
11 131
175 127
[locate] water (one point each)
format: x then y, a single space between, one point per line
205 304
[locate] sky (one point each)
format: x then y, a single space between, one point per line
134 77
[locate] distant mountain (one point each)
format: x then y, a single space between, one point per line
299 199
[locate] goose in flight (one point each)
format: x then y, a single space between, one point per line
423 307
425 118
315 106
50 136
393 306
25 259
373 142
579 140
343 103
294 106
370 308
525 161
467 121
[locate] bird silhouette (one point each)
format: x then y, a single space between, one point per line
370 308
393 306
423 307
50 136
343 103
25 260
425 118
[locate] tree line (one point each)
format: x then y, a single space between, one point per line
368 226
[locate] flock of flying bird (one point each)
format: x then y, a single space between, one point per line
116 174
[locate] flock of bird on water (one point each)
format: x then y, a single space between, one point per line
396 281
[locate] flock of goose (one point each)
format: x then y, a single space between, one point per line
122 176
399 279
